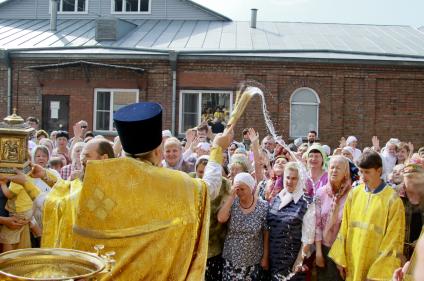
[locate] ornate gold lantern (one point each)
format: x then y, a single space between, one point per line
14 136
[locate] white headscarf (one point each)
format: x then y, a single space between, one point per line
349 149
351 139
286 196
245 178
203 157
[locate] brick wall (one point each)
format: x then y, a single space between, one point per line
363 100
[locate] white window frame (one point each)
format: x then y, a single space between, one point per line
111 90
69 13
199 104
112 9
317 103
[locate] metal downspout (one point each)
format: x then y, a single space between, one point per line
173 62
9 83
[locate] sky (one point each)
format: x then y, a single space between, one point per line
386 12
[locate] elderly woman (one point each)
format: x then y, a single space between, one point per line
352 141
47 143
291 220
173 156
239 163
246 245
318 177
329 202
348 152
40 156
389 157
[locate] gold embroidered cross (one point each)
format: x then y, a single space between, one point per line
100 204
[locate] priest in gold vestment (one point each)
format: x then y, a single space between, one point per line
156 220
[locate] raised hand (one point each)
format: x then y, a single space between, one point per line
375 142
224 140
78 131
342 142
190 135
253 135
194 143
411 148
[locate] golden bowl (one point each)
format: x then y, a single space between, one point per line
50 265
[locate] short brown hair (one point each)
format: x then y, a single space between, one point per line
105 148
32 119
55 161
42 133
370 160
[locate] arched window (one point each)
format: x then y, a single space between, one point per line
304 112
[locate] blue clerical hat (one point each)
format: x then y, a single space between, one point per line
139 126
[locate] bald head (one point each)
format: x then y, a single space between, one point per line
96 149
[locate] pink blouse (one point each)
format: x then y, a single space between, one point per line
312 188
323 200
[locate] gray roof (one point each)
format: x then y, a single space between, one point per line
269 39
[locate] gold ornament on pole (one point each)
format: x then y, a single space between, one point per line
14 137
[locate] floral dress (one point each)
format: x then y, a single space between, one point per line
243 246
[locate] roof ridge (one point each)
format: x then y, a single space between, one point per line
335 23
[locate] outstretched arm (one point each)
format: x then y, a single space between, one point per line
213 169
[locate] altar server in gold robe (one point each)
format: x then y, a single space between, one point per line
370 241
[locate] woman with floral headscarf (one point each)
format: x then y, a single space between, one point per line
291 219
329 202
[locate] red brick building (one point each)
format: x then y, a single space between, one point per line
337 79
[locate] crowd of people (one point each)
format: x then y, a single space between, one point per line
301 211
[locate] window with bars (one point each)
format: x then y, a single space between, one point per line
304 112
107 102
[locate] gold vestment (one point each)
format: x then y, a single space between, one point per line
59 214
155 219
370 241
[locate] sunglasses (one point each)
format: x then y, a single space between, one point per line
84 127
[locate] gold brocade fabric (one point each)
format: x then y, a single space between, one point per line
59 214
155 219
370 241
